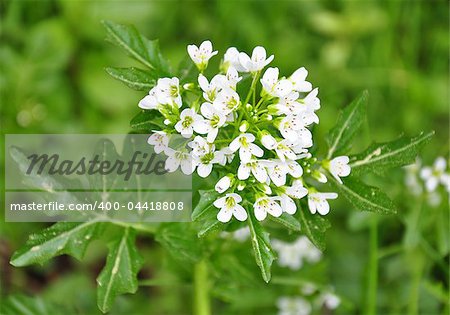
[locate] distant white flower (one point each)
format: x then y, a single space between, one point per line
411 178
255 167
273 86
330 300
214 120
240 235
223 184
317 202
201 55
292 255
227 100
168 91
188 120
244 143
435 174
293 306
339 167
178 159
229 206
258 60
267 205
298 79
231 58
159 140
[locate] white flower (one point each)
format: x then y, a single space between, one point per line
168 91
227 100
265 205
231 58
229 206
228 155
210 89
277 172
339 167
330 300
298 79
273 86
294 169
255 167
214 120
257 62
297 190
205 162
292 255
317 202
179 158
268 141
284 151
201 55
288 104
188 120
232 77
435 174
160 141
293 306
290 127
287 204
149 101
244 143
240 235
223 184
311 101
199 146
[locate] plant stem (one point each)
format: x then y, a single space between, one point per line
201 287
372 281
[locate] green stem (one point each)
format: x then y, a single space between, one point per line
372 281
413 305
201 288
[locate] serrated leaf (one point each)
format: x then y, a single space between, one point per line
380 157
137 46
288 221
181 240
61 238
120 272
364 197
147 120
262 249
207 197
348 124
314 227
133 77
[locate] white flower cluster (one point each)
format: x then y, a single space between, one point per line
292 255
430 177
251 127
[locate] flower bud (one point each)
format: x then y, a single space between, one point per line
320 177
223 184
267 140
189 86
241 186
244 126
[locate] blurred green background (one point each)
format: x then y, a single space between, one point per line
52 80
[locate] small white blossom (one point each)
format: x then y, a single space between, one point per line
223 184
290 127
244 143
258 60
149 101
287 204
434 175
297 190
229 206
267 205
277 172
232 77
210 126
240 235
268 141
178 159
298 79
317 202
231 58
330 300
273 86
201 55
284 152
210 89
292 255
205 162
189 119
168 91
339 167
293 306
160 141
227 101
254 167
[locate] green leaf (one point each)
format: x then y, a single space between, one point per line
262 249
348 124
364 197
147 120
380 157
314 227
137 46
61 238
288 221
134 78
120 272
181 240
207 197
